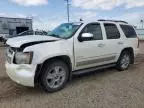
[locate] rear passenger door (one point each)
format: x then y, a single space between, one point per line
113 41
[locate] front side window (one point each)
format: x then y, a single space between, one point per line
111 31
128 31
94 29
65 30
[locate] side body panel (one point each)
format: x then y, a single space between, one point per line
48 50
90 53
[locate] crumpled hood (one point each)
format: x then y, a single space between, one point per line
19 41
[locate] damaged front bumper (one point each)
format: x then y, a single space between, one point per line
22 73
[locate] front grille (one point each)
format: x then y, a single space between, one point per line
9 54
14 49
8 59
10 51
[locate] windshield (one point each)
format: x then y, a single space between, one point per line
65 30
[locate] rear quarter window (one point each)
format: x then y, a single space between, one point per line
128 31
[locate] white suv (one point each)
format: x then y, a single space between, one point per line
71 48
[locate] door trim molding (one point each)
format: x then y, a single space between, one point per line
87 62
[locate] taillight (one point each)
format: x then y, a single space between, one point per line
138 42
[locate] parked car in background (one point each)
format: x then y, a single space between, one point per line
1 38
33 32
71 48
25 33
4 37
140 33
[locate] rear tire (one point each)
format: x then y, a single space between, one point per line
54 76
124 61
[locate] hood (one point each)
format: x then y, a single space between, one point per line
19 41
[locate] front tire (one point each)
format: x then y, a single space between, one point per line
54 76
124 61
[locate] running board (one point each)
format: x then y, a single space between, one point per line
78 72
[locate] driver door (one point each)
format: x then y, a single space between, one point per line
90 53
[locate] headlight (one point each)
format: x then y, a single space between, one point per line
23 57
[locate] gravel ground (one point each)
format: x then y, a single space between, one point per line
107 88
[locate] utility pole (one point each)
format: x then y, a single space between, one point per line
142 22
68 15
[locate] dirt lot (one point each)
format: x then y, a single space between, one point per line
107 88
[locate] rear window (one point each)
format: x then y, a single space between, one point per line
111 31
128 31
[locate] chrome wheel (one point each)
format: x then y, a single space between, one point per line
56 77
125 61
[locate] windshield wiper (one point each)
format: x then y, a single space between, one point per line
55 35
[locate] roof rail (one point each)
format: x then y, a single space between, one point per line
113 21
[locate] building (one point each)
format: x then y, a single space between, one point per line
140 33
13 26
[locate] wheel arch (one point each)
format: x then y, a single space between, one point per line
129 49
66 59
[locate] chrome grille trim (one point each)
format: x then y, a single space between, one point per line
9 55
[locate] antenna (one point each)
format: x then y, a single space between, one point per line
81 19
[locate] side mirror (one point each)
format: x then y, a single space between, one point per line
86 37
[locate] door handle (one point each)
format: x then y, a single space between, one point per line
101 45
120 43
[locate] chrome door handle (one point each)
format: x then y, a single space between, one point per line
120 43
101 45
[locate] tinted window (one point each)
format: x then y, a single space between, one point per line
112 31
94 29
128 31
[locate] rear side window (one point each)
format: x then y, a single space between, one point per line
128 31
112 31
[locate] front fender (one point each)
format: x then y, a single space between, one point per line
49 50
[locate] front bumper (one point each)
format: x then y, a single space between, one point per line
22 74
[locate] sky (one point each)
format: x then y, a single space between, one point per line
47 14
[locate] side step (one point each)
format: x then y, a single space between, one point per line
78 72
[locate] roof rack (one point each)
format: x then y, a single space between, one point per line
113 21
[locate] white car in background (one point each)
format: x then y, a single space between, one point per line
5 37
71 48
140 33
